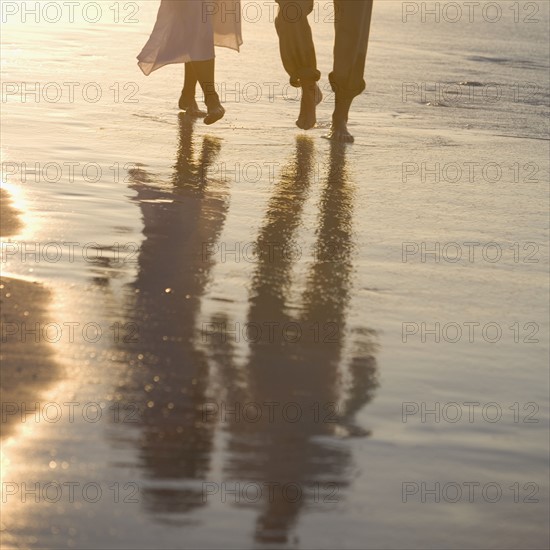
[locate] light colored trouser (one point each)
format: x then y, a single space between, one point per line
352 25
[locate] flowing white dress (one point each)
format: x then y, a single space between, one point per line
188 30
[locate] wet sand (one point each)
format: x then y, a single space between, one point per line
28 369
10 223
193 238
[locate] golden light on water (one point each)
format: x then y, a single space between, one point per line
249 263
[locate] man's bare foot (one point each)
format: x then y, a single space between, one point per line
339 132
215 113
311 97
191 107
339 128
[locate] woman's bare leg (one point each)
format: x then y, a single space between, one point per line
187 100
205 72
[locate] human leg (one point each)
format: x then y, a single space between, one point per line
298 55
352 26
205 72
187 100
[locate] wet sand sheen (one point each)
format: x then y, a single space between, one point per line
188 188
176 377
27 367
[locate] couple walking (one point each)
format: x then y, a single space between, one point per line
186 31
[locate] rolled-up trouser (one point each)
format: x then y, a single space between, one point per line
296 40
352 20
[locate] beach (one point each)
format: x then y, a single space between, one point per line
245 335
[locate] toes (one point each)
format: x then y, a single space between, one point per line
340 137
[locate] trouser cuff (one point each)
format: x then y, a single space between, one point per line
311 75
344 89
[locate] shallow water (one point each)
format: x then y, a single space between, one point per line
251 268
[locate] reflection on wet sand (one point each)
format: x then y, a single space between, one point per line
169 377
325 371
300 367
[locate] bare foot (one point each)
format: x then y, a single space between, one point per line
215 113
191 107
339 132
311 97
195 112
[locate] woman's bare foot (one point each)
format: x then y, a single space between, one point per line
215 112
191 107
311 97
195 112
